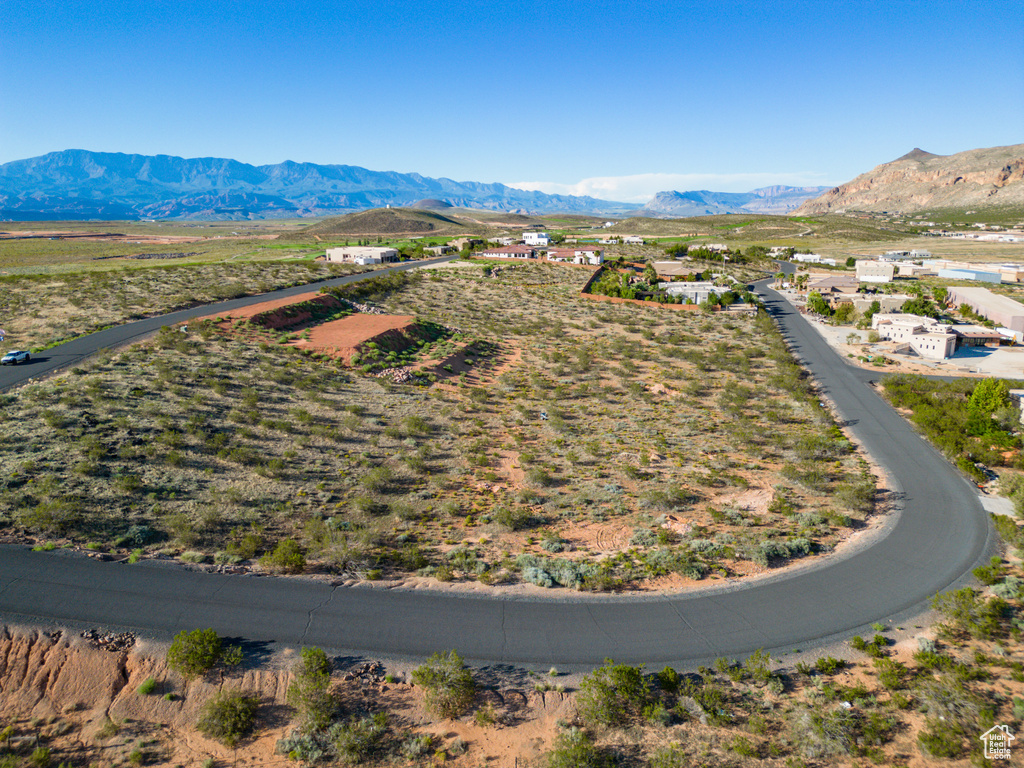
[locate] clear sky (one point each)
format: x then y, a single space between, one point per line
618 99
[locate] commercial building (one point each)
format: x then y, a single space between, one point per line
875 271
971 274
1001 310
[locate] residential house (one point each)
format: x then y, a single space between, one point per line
580 255
439 250
540 239
362 254
509 252
696 293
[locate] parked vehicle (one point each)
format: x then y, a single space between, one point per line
14 357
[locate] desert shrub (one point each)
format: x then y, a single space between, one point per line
828 665
613 695
968 612
228 717
357 739
891 673
287 557
449 687
309 691
575 749
991 573
194 653
939 740
512 518
669 680
148 686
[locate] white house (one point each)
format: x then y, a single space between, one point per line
696 292
509 252
540 239
362 254
581 255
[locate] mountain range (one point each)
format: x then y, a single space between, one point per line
78 184
922 181
776 200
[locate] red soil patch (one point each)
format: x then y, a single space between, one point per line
341 338
244 313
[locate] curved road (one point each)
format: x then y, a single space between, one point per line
938 537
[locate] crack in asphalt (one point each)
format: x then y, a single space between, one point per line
10 584
675 607
314 609
504 637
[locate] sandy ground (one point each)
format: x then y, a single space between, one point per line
66 691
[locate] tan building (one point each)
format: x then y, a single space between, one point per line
875 271
927 337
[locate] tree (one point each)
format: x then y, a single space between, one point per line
194 653
449 687
817 304
920 306
851 261
989 396
309 692
228 717
940 294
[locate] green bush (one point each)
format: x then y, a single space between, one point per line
575 749
287 557
309 691
613 695
968 612
228 717
940 740
194 653
148 686
357 739
449 687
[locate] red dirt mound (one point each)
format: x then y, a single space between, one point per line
342 338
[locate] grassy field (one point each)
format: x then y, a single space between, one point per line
572 443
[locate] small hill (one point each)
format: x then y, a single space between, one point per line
391 221
921 181
431 205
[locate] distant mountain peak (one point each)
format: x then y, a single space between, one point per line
990 177
916 154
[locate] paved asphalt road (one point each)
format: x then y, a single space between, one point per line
940 534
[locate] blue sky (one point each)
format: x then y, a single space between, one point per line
614 99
